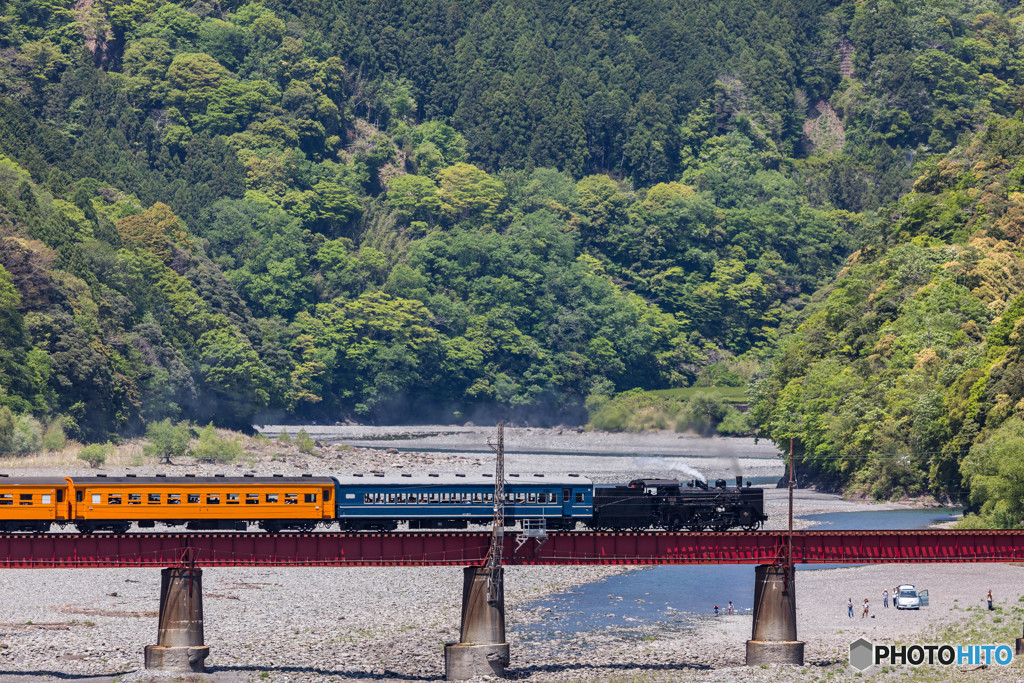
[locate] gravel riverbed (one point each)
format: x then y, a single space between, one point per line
299 624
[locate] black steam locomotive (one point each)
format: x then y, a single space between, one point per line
665 503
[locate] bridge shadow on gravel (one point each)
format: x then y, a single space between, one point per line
16 676
519 672
387 675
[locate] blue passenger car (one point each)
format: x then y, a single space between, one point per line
445 501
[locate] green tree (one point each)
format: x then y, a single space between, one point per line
168 440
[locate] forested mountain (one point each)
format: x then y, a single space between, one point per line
443 209
906 376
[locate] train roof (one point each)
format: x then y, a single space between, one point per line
452 479
7 480
205 481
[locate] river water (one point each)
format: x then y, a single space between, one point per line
676 597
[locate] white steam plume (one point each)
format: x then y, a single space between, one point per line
674 465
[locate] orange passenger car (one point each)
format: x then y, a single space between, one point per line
274 503
32 503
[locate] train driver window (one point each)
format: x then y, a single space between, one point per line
579 496
309 498
291 499
193 498
367 498
174 499
114 499
270 498
531 497
154 498
250 499
213 499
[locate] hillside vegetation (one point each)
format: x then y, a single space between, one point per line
443 210
905 375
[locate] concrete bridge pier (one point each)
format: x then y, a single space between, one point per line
179 643
773 640
482 649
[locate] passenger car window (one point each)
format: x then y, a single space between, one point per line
250 499
367 498
291 499
193 497
531 497
213 499
579 497
310 498
153 498
95 498
271 498
232 499
114 499
45 499
174 499
135 499
6 499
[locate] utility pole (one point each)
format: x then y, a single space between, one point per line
790 562
494 578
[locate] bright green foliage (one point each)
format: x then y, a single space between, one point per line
212 448
168 440
994 471
305 442
467 193
95 454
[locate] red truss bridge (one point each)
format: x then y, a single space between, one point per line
420 549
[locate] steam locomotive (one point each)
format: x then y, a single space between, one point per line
371 502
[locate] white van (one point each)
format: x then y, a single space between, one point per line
908 597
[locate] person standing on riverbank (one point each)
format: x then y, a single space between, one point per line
864 613
885 599
730 607
989 598
849 608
